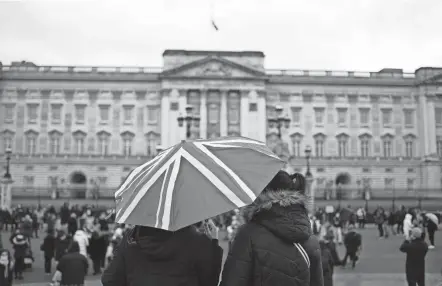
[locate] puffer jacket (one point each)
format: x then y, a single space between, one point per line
263 252
149 256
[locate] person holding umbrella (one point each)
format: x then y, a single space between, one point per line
165 199
276 245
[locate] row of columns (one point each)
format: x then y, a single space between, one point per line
251 124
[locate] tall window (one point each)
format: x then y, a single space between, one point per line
79 142
31 143
9 113
387 145
342 145
410 184
56 113
233 114
29 183
55 142
319 116
296 144
80 113
32 110
128 114
214 113
409 117
438 115
296 115
389 183
365 141
409 146
7 139
364 116
152 114
387 117
342 116
103 143
152 140
439 146
104 114
319 145
127 143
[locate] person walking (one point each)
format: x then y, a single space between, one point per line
276 245
20 245
48 248
6 268
72 268
407 225
431 229
353 244
151 256
62 244
416 249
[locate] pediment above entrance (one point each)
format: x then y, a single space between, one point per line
211 67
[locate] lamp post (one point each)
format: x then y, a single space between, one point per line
159 148
309 178
6 196
189 118
280 120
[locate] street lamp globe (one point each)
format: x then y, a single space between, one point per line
287 121
159 148
180 120
308 150
8 150
189 109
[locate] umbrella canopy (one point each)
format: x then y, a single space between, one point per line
432 217
195 180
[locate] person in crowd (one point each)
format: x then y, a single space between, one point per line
337 228
6 268
72 268
327 263
353 245
48 248
62 243
26 227
379 220
431 229
400 217
150 256
72 224
35 224
416 249
361 215
64 214
20 245
407 225
277 233
96 248
82 237
114 242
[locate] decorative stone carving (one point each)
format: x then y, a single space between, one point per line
21 93
141 94
93 94
215 69
69 94
45 93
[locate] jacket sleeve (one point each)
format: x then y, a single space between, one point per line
314 252
115 273
405 246
209 262
238 266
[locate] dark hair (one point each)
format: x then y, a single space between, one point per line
298 182
281 181
74 247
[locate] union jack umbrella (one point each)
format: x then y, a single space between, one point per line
195 180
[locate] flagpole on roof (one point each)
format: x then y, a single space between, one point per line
212 17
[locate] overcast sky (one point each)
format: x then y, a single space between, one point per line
361 35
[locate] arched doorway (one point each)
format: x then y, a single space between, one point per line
342 182
78 184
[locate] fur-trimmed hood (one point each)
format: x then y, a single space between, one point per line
283 212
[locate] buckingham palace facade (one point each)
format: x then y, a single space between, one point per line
89 126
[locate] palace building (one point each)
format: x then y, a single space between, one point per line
85 128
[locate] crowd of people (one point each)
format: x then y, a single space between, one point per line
273 241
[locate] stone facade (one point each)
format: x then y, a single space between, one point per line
381 130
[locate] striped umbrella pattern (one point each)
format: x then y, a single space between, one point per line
195 180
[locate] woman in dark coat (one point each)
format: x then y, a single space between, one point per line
276 245
150 256
6 268
328 264
20 245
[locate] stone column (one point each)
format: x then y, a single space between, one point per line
262 117
6 194
426 123
165 104
430 114
223 114
203 114
244 114
182 101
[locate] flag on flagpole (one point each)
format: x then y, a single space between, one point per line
214 25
